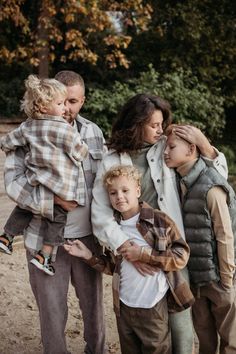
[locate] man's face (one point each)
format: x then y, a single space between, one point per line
74 101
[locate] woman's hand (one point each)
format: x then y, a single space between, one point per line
131 252
194 136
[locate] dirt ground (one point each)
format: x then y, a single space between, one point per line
19 329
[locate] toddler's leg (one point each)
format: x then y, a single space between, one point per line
53 235
15 225
18 220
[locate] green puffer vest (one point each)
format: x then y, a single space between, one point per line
203 262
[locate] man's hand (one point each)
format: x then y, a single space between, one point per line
145 269
67 205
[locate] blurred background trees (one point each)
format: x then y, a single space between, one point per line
184 51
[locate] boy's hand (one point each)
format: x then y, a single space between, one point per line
67 205
131 252
78 249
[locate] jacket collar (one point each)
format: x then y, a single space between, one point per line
146 213
194 173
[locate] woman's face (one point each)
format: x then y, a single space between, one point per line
153 128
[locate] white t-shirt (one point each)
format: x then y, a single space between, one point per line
137 290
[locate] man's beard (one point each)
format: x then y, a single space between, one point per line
69 118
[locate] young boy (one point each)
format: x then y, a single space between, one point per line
209 214
140 302
53 161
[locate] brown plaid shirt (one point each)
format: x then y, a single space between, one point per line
168 252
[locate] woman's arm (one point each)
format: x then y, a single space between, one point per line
105 227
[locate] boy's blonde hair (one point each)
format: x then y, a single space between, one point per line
121 170
39 93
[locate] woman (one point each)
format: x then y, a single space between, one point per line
137 138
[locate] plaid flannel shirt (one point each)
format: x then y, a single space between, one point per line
168 252
54 156
39 199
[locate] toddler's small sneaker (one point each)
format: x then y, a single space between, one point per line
43 263
5 244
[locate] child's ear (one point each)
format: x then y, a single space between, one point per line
139 191
43 109
192 149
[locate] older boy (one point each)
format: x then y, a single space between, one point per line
209 215
140 302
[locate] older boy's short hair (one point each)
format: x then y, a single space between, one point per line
70 78
171 130
40 93
121 170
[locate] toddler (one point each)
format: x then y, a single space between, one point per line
53 160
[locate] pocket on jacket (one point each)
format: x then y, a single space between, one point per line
95 159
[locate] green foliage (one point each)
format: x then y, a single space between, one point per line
191 100
11 89
195 34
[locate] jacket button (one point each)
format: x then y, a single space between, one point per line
152 160
161 199
158 180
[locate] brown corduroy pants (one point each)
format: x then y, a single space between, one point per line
214 313
144 331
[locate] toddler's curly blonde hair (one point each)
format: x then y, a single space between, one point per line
128 171
40 93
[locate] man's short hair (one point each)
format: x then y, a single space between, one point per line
70 78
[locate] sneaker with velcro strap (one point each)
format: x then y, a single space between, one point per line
6 244
43 263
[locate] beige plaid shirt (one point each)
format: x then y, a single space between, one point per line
54 156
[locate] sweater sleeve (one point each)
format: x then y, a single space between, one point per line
103 263
217 203
13 139
219 163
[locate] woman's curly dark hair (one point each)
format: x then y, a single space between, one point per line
127 130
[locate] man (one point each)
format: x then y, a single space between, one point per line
51 292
